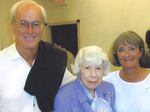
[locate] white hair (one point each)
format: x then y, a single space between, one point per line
21 2
92 55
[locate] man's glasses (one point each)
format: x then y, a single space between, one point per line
24 25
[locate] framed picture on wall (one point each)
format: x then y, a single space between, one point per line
65 34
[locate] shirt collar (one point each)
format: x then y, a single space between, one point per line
83 94
87 92
13 53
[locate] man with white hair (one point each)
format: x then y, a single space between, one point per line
31 70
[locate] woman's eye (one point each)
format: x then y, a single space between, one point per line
132 48
99 68
120 49
86 67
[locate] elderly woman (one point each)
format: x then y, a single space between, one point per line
88 93
132 82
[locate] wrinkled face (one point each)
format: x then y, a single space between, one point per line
91 75
129 55
28 26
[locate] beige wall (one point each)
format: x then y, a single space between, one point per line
101 20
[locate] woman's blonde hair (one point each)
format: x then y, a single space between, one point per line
129 37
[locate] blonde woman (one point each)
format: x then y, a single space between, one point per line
132 82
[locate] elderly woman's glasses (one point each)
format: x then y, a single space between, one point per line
24 25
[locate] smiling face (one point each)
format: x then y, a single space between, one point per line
91 75
129 55
28 37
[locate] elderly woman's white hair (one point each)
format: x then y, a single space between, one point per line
23 2
92 55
